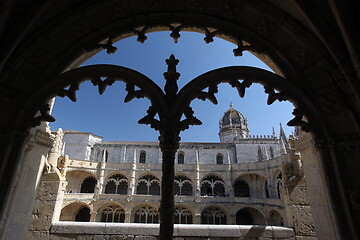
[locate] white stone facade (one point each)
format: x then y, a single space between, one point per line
231 182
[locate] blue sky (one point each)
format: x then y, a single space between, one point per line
108 116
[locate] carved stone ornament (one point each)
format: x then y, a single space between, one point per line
350 142
44 116
297 121
170 111
175 28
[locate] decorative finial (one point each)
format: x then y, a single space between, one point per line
231 105
171 76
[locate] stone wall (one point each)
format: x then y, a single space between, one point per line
116 231
44 207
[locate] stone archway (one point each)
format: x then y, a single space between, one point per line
303 59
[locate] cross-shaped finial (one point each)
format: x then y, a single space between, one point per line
171 76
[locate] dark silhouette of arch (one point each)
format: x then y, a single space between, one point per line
183 186
276 219
213 215
212 186
88 185
182 216
83 215
148 185
113 214
244 217
117 184
241 189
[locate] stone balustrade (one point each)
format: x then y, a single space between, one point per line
112 231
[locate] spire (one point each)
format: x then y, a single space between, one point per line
231 105
282 146
283 138
273 132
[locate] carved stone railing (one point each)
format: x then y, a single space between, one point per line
182 231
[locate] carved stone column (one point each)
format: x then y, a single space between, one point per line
316 186
93 216
169 143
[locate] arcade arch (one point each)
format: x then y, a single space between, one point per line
250 216
76 211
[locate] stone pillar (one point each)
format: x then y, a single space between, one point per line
169 143
316 186
43 211
295 195
25 184
229 181
101 170
197 218
128 216
197 181
93 216
132 187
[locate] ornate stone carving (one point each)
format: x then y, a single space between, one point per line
132 93
297 121
141 37
241 86
350 142
150 119
273 96
294 168
71 92
102 84
210 95
44 116
190 120
110 49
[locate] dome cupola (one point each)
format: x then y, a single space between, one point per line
233 125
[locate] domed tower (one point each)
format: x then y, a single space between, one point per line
233 125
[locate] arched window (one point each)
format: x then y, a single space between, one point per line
244 217
146 215
276 219
182 186
212 186
182 216
88 185
272 155
142 157
113 214
83 215
181 158
117 184
213 215
249 216
219 159
279 185
266 189
241 189
148 185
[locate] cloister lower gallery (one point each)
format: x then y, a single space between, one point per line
312 47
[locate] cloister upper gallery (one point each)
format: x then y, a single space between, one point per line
311 46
